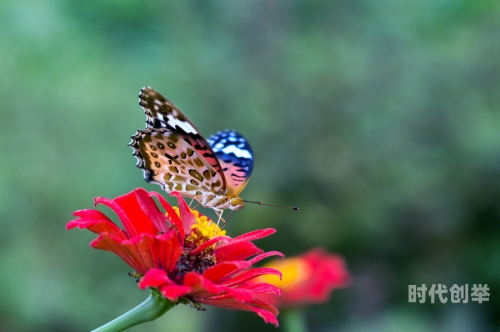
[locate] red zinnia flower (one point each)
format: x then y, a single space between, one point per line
183 254
309 278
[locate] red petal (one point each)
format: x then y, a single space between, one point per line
268 317
254 235
146 247
264 288
170 250
240 294
130 213
144 252
155 278
96 222
251 274
129 254
328 273
225 269
260 257
200 285
209 243
229 300
203 288
149 207
325 273
267 312
187 217
237 251
173 217
173 292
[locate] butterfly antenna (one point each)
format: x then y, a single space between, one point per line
278 206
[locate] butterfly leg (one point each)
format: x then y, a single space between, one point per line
192 208
219 214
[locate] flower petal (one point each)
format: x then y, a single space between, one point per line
134 220
173 292
155 278
267 316
251 274
260 257
172 215
170 250
200 285
145 251
127 253
263 287
265 311
225 269
240 294
95 221
329 273
309 278
149 207
236 251
209 243
254 235
187 217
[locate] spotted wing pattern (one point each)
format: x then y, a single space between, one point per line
235 157
172 153
173 163
161 113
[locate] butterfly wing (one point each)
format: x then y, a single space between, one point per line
173 163
161 113
236 158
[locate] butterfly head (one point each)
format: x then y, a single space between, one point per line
236 203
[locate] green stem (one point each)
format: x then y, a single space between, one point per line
154 307
294 320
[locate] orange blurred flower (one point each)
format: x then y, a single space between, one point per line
309 278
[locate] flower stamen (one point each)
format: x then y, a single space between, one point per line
202 230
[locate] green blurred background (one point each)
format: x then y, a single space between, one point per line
380 119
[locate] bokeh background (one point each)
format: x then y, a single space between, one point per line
380 119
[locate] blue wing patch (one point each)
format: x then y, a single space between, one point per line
235 157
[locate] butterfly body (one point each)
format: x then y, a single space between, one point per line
221 202
172 153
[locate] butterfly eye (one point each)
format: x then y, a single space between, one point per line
236 201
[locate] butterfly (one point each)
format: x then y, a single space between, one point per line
172 153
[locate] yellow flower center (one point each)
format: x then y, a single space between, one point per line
294 271
203 228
